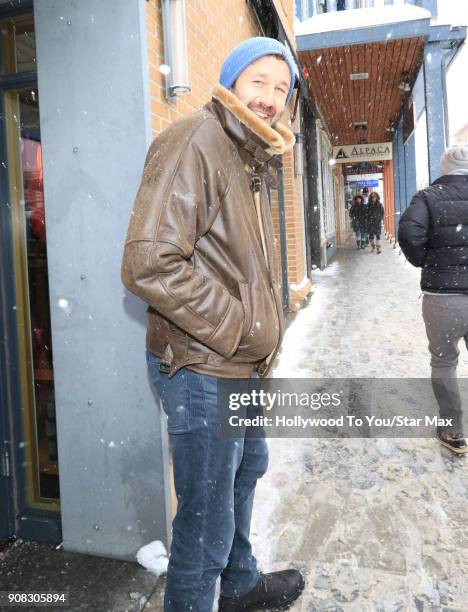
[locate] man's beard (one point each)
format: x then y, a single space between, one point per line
270 118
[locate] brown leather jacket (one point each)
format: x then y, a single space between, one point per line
194 249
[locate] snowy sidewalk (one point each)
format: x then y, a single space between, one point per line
376 525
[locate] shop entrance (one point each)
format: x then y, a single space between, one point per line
29 437
362 179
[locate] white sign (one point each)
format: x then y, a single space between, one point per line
364 177
349 154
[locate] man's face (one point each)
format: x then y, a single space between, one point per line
263 87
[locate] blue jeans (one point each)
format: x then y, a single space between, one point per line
360 233
215 480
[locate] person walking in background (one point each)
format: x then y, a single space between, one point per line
375 215
433 234
365 194
358 215
365 198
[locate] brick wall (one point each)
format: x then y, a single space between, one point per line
295 233
214 27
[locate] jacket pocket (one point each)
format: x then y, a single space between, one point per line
261 326
245 299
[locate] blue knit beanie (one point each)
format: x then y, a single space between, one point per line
248 52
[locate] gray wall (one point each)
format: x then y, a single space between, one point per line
93 95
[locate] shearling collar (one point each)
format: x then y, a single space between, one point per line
259 140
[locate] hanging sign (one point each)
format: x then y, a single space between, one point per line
357 153
362 184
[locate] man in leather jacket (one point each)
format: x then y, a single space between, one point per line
200 252
433 234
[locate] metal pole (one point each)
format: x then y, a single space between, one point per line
283 245
444 94
167 42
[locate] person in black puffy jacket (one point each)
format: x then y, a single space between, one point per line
375 215
358 216
433 235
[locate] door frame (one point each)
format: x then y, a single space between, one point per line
7 346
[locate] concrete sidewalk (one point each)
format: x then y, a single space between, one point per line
377 525
95 584
363 320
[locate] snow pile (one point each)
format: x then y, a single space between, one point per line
301 285
294 358
153 557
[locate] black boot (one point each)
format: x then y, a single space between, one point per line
276 591
455 442
358 242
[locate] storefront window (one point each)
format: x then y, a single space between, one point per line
28 226
18 46
321 6
33 313
328 196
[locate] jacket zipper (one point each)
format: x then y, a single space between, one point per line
256 187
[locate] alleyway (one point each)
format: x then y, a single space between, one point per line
376 525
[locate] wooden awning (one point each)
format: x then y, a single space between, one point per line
377 100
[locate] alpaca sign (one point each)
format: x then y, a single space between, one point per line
347 154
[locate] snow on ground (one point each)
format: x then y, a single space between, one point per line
153 557
376 525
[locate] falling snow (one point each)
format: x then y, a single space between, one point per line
164 69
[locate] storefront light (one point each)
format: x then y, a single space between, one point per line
175 48
332 161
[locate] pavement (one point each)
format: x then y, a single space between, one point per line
376 525
95 584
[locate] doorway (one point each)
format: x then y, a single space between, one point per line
28 432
